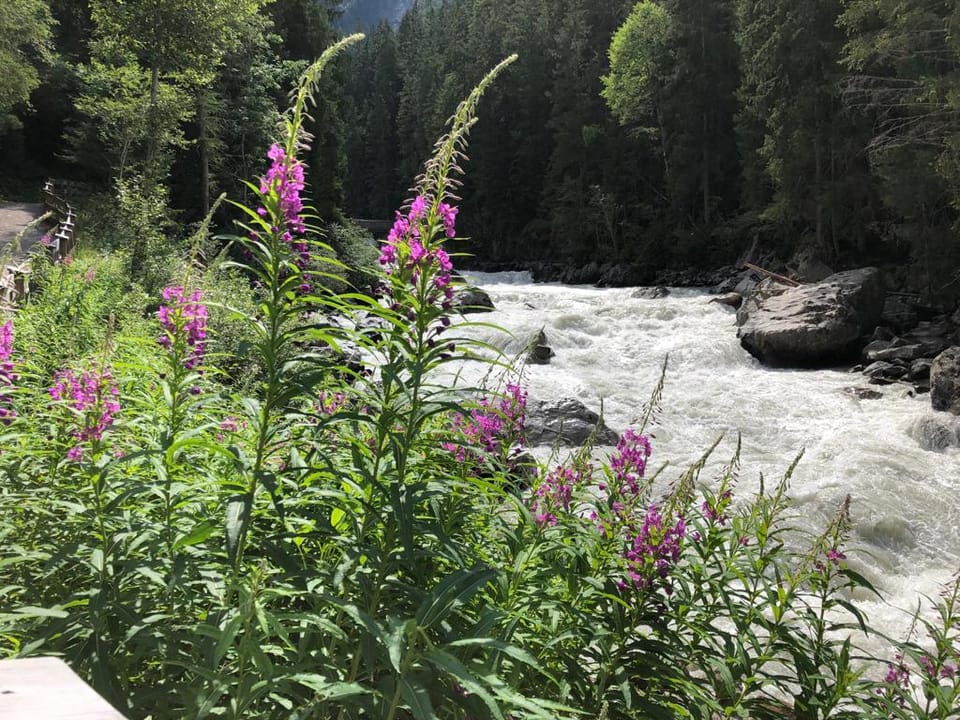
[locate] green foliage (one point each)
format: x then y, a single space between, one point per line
327 539
901 63
25 31
77 309
356 249
637 53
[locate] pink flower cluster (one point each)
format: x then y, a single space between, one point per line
7 376
286 177
184 318
405 248
329 403
491 428
627 467
554 493
654 550
94 397
715 510
629 461
898 674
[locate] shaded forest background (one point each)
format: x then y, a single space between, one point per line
825 126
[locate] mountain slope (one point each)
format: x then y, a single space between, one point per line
365 14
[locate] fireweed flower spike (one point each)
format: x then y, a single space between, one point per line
184 323
285 175
7 376
554 494
93 396
285 178
490 430
411 251
653 551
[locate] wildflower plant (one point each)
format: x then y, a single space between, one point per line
92 397
8 375
923 679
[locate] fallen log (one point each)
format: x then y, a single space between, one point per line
769 273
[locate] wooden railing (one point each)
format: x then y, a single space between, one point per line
62 238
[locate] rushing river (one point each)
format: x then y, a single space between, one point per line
610 346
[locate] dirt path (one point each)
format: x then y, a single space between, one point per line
14 217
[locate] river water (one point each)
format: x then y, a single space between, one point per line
610 347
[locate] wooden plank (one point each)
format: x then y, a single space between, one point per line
45 688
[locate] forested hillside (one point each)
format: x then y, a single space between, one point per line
662 134
365 14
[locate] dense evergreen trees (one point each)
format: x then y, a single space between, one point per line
669 132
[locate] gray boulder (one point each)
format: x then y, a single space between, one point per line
539 351
812 325
470 299
884 373
863 393
920 369
945 381
566 421
731 299
936 433
900 312
806 266
650 293
895 353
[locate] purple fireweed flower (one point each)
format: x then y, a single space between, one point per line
409 248
6 340
94 398
897 673
554 493
7 375
184 320
629 461
418 208
653 551
329 403
490 428
286 177
714 510
448 215
834 555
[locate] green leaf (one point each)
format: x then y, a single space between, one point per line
450 664
452 592
238 507
30 611
200 532
417 699
330 690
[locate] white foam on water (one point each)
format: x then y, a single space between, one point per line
610 347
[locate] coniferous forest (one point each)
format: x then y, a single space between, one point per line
259 461
661 135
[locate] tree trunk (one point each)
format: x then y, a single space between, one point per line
705 181
204 145
152 122
704 145
818 196
667 176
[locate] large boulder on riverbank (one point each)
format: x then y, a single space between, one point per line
813 325
566 421
470 299
945 381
